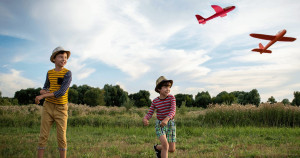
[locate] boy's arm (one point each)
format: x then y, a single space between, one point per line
42 96
46 86
173 108
171 113
149 115
65 85
150 112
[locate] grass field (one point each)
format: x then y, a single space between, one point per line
87 141
219 131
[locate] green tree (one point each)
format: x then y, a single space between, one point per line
285 101
244 98
142 98
272 100
187 98
114 95
14 101
73 96
239 97
27 96
7 101
253 97
81 91
202 99
214 100
224 98
296 100
94 97
1 99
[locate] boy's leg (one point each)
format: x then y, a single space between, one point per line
41 153
46 123
171 135
63 153
61 117
164 147
172 147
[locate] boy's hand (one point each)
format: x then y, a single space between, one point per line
38 98
43 91
146 122
164 122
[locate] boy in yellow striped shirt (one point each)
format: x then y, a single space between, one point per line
55 107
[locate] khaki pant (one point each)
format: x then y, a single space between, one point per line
59 114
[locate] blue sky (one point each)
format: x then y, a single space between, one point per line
131 43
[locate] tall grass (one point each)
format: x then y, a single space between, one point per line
267 115
278 115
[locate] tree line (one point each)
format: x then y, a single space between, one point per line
114 95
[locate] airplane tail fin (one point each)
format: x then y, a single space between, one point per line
261 46
200 19
261 50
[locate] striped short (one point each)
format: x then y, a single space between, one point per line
169 130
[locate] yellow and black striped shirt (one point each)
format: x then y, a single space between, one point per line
58 82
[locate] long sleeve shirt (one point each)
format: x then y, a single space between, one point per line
58 82
64 85
164 108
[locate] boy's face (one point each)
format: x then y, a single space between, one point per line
165 90
61 59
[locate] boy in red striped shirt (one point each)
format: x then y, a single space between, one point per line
165 105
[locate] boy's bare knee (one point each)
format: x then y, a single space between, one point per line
172 150
165 146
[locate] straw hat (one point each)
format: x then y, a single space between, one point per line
161 80
59 49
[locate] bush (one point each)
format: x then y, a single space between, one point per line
128 104
276 114
269 115
183 109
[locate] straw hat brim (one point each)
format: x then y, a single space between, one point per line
55 53
163 81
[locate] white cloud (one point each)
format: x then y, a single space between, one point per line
14 81
270 79
124 38
122 86
79 70
180 62
143 38
19 58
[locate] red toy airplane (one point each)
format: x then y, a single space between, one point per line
273 39
219 12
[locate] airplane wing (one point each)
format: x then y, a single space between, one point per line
261 50
217 8
287 39
270 37
262 36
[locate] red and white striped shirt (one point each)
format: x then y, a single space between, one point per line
164 107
